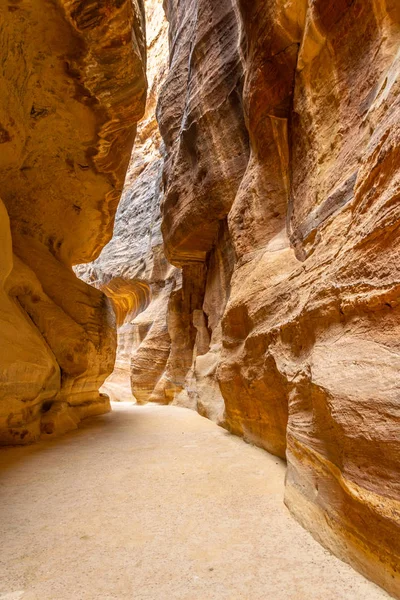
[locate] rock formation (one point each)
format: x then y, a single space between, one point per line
206 156
132 269
281 206
271 305
73 87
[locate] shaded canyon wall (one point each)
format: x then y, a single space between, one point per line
73 88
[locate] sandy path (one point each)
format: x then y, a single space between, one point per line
157 503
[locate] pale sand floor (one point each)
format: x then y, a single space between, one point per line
157 503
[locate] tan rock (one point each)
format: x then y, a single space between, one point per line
305 300
73 87
206 155
280 207
132 269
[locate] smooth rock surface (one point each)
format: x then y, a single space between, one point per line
153 503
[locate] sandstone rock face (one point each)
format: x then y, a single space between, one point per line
281 206
73 87
202 123
132 269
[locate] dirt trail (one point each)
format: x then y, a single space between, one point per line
157 503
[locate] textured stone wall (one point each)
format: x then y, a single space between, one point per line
201 120
73 87
253 269
273 306
132 269
281 207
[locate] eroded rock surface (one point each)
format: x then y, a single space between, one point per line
206 156
132 269
281 206
73 87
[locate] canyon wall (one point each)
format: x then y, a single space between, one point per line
201 120
73 88
132 269
253 265
272 307
281 207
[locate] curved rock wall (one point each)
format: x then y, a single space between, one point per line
281 206
278 179
132 270
73 88
202 123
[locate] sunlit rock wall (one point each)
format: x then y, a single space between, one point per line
73 87
281 206
132 270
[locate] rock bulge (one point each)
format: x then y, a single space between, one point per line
73 88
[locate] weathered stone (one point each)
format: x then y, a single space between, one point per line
305 298
73 87
132 269
280 206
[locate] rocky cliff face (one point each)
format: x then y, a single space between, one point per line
281 207
73 88
202 123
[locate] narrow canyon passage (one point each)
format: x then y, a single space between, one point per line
199 209
154 503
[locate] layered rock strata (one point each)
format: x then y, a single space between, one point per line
73 87
281 207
